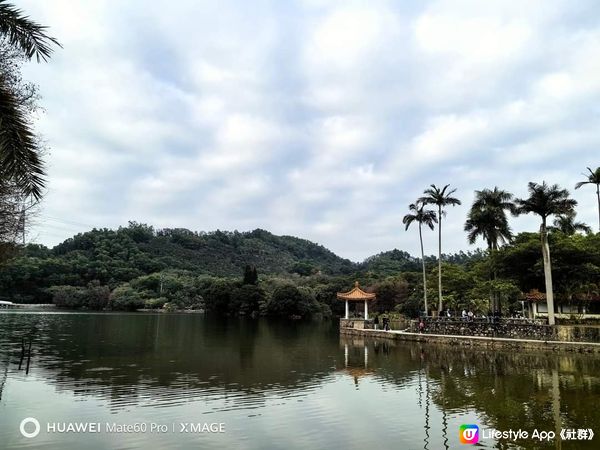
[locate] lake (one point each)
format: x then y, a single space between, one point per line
273 385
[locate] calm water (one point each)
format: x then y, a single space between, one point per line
275 385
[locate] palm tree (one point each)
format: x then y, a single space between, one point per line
593 178
440 197
546 201
567 225
19 152
487 219
423 217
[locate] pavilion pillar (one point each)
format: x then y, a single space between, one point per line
347 310
366 311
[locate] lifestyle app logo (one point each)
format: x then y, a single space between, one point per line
469 434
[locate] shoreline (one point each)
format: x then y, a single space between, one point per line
493 343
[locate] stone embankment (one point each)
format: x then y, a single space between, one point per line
502 334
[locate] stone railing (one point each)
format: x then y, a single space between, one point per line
488 327
508 328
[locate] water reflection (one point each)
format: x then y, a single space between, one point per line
515 390
414 395
129 361
356 359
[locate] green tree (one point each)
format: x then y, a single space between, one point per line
441 198
567 224
125 298
246 299
545 201
289 300
20 160
250 275
218 296
423 217
303 268
391 292
593 178
68 296
575 264
487 219
97 296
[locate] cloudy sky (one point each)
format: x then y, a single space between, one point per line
318 119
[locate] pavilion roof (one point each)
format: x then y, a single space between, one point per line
357 372
356 294
535 295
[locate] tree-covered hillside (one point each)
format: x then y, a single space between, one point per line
397 261
257 272
111 257
219 253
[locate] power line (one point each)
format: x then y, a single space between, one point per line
57 227
68 222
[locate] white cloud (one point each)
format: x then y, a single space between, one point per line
319 119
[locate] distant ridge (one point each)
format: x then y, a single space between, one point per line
139 249
219 253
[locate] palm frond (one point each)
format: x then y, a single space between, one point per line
420 215
545 200
25 34
19 152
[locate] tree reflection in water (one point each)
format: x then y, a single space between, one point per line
525 389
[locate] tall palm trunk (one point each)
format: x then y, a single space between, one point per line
492 302
547 272
598 197
496 296
440 305
424 273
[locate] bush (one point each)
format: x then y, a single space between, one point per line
68 296
178 287
125 298
170 307
97 296
217 296
288 301
155 303
246 299
390 293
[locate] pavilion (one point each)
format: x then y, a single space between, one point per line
355 295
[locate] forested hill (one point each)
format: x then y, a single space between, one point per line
112 256
396 261
140 248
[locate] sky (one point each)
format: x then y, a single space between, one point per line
317 119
